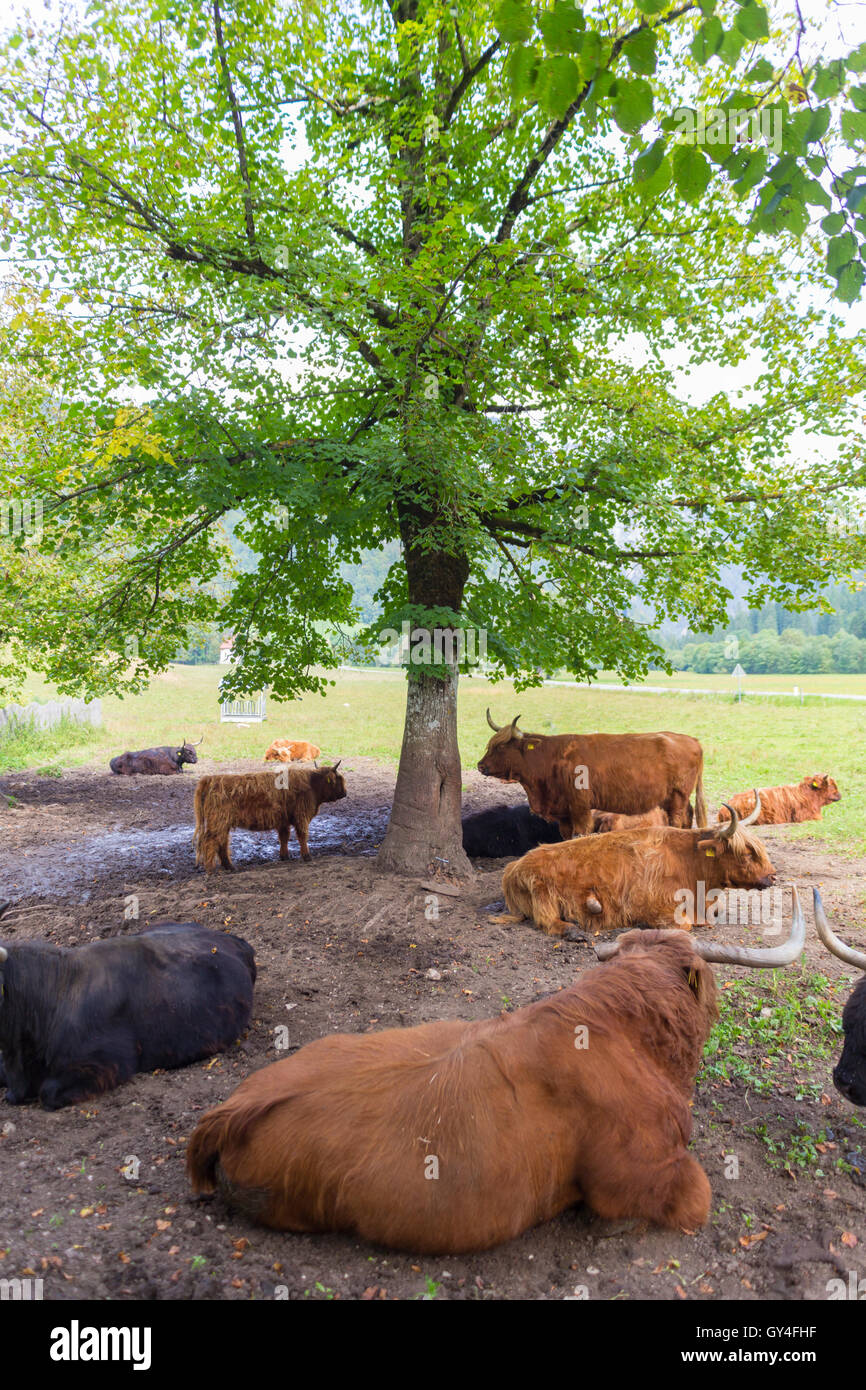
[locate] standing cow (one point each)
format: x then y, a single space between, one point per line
788 805
275 800
630 878
566 775
849 1075
452 1137
74 1023
156 762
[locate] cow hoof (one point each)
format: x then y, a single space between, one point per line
574 934
306 858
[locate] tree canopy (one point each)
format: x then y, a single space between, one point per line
427 272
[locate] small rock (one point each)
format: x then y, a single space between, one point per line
432 974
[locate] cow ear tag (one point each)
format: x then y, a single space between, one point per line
710 853
815 783
693 980
530 746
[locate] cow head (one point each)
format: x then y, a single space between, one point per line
504 756
849 1075
680 949
743 862
328 783
824 785
186 753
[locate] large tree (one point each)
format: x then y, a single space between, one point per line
427 271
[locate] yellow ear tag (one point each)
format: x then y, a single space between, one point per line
693 979
816 784
530 746
710 853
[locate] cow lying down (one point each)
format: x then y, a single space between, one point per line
633 878
453 1137
74 1023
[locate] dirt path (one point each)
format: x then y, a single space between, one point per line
94 1201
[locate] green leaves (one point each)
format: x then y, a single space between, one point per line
562 27
708 40
640 52
632 103
514 20
557 85
691 172
751 20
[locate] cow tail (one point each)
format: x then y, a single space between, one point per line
700 804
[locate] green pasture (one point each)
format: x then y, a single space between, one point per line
757 742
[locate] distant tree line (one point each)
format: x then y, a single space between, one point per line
775 640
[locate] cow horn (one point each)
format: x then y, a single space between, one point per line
201 740
760 958
834 944
4 954
495 727
725 831
336 764
514 728
753 815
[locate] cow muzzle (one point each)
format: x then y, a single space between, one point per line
853 1088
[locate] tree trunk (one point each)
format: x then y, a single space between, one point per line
425 831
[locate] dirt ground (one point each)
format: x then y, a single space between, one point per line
94 1201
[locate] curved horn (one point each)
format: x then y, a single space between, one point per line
761 959
201 740
834 944
4 954
495 727
753 815
336 764
723 830
514 728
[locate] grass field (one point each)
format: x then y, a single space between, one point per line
754 743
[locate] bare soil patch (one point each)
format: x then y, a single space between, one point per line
93 1199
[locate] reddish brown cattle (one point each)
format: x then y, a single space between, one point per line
286 750
634 878
603 822
566 775
453 1137
274 800
787 805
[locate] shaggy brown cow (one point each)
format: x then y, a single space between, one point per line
634 878
787 805
286 750
260 801
453 1137
603 822
566 775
